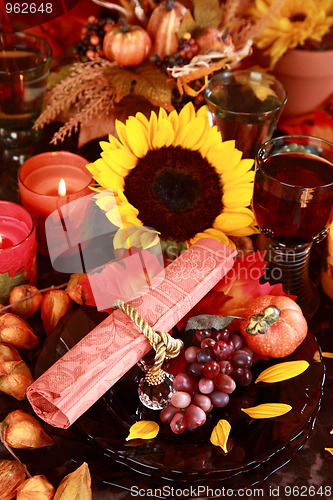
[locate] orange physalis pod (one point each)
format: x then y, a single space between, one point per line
76 485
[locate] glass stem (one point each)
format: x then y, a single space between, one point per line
290 266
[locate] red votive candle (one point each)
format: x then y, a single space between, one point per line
39 179
17 248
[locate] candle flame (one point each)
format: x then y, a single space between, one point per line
62 188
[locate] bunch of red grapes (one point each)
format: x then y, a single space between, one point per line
216 362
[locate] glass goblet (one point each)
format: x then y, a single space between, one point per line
292 202
245 105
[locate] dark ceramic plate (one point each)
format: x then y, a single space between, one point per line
259 446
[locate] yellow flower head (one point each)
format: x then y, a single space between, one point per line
173 173
295 22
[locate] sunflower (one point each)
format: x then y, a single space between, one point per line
173 173
296 22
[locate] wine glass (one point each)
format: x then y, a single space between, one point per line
292 202
245 105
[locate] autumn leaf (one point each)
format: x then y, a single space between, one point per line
202 17
220 434
144 429
282 371
7 283
267 410
146 80
330 450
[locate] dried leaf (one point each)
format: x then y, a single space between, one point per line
283 371
204 16
188 24
144 429
327 354
220 434
330 450
76 485
204 321
146 80
267 410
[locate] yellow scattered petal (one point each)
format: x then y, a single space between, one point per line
330 450
331 431
144 429
220 434
283 371
327 354
267 410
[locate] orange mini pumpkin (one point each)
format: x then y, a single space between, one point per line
163 26
127 45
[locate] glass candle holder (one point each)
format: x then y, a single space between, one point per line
245 105
39 181
24 67
17 248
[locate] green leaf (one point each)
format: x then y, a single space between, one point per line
7 283
204 321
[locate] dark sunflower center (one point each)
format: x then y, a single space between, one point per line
176 191
298 18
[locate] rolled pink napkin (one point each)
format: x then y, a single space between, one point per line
78 379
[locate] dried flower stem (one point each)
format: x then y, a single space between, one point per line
53 287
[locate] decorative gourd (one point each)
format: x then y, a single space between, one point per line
163 26
127 45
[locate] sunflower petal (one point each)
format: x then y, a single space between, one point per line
238 198
220 434
164 135
193 134
144 429
231 221
267 410
137 136
282 371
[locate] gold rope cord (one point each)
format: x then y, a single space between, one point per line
164 344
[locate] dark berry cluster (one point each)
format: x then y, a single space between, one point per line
187 49
216 362
92 37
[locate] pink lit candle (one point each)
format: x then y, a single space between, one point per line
17 248
47 182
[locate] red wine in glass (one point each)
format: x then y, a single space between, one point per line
292 202
293 196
